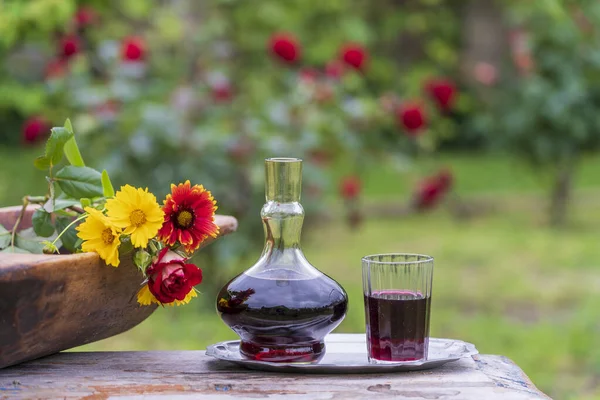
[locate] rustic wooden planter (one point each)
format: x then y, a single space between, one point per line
50 303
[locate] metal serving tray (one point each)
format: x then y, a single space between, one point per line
347 354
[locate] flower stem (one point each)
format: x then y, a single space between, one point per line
68 226
18 221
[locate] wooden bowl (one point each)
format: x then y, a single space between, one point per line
50 303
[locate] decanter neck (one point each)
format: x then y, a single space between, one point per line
283 179
283 225
282 214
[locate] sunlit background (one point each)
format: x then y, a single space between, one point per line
466 130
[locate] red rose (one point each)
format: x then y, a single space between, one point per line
334 69
433 190
170 278
354 55
443 92
133 49
411 117
35 129
350 187
69 46
84 17
286 47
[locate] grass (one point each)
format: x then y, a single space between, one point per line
503 280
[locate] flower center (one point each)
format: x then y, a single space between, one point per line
185 219
137 218
107 236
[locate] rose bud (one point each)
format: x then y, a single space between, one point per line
170 278
285 47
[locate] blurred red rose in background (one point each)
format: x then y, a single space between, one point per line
433 190
411 117
285 47
443 92
133 49
354 55
35 130
69 46
84 17
350 187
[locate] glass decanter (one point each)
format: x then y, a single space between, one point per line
282 307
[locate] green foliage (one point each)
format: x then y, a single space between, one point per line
80 182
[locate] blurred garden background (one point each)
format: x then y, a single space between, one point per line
466 130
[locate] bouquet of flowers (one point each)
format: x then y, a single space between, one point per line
81 212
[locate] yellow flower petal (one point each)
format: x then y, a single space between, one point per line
137 212
145 296
100 236
187 299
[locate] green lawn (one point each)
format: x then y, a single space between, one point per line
503 280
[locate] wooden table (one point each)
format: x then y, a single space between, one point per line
192 375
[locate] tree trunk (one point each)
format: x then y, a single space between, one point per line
560 196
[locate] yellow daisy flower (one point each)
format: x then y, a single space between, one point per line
137 212
145 298
100 236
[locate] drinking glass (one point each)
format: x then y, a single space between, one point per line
397 293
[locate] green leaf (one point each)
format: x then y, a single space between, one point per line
56 143
80 182
107 187
72 152
42 163
42 223
4 237
68 126
15 250
56 204
69 238
71 149
28 240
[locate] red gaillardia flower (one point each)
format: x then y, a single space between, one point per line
69 46
443 92
411 117
350 187
286 47
189 216
354 55
133 49
35 129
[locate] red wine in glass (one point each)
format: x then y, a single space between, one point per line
282 320
397 325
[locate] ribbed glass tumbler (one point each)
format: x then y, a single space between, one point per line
397 294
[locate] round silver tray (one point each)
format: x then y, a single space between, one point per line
347 353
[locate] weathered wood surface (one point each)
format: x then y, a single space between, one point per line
50 303
193 375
